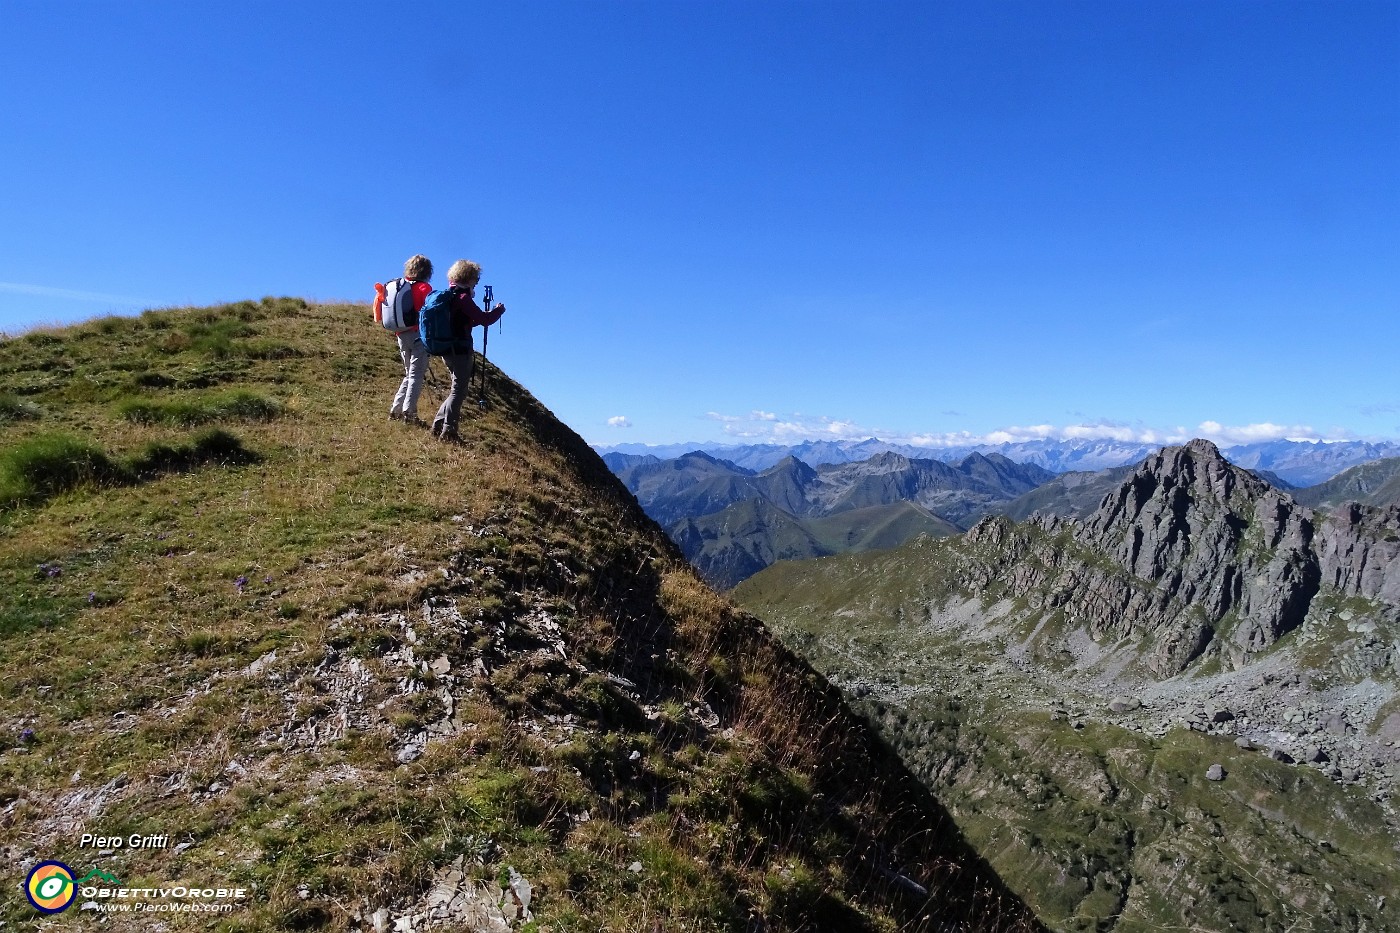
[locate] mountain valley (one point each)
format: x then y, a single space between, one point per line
1180 710
731 521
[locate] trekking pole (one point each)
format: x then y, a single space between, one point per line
485 336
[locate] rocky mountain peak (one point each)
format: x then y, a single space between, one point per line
1218 559
791 464
1210 536
890 461
696 456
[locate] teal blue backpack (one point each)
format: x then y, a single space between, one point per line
441 327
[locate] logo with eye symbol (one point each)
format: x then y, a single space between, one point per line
50 887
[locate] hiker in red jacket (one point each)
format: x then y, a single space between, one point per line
396 306
466 314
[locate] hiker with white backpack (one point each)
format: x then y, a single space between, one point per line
396 306
445 326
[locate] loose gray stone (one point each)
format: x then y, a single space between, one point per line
1124 704
1215 773
1336 724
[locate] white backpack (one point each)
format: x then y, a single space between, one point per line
399 313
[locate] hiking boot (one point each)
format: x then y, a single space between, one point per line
395 416
437 428
450 437
414 420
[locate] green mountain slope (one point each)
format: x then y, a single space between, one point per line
732 545
740 540
380 682
732 522
1373 483
1069 495
878 527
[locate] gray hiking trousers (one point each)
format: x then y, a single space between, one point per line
447 417
415 369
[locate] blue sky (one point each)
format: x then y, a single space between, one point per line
765 220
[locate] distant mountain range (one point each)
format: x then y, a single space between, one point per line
733 520
1297 463
1374 483
708 504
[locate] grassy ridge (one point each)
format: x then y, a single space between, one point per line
339 666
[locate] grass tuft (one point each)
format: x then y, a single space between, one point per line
210 337
226 406
213 447
50 464
14 408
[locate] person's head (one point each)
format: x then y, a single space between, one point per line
465 273
419 268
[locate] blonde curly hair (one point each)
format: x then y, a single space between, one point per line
419 268
464 272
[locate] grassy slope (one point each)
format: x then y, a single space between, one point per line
237 646
1072 495
1098 827
878 527
733 544
1373 483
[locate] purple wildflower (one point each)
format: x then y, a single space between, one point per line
267 579
241 582
92 598
27 735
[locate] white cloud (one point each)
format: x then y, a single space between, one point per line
1256 433
793 430
68 294
619 421
1095 431
1016 434
761 426
846 430
731 431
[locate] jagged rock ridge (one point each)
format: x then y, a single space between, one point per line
1201 554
